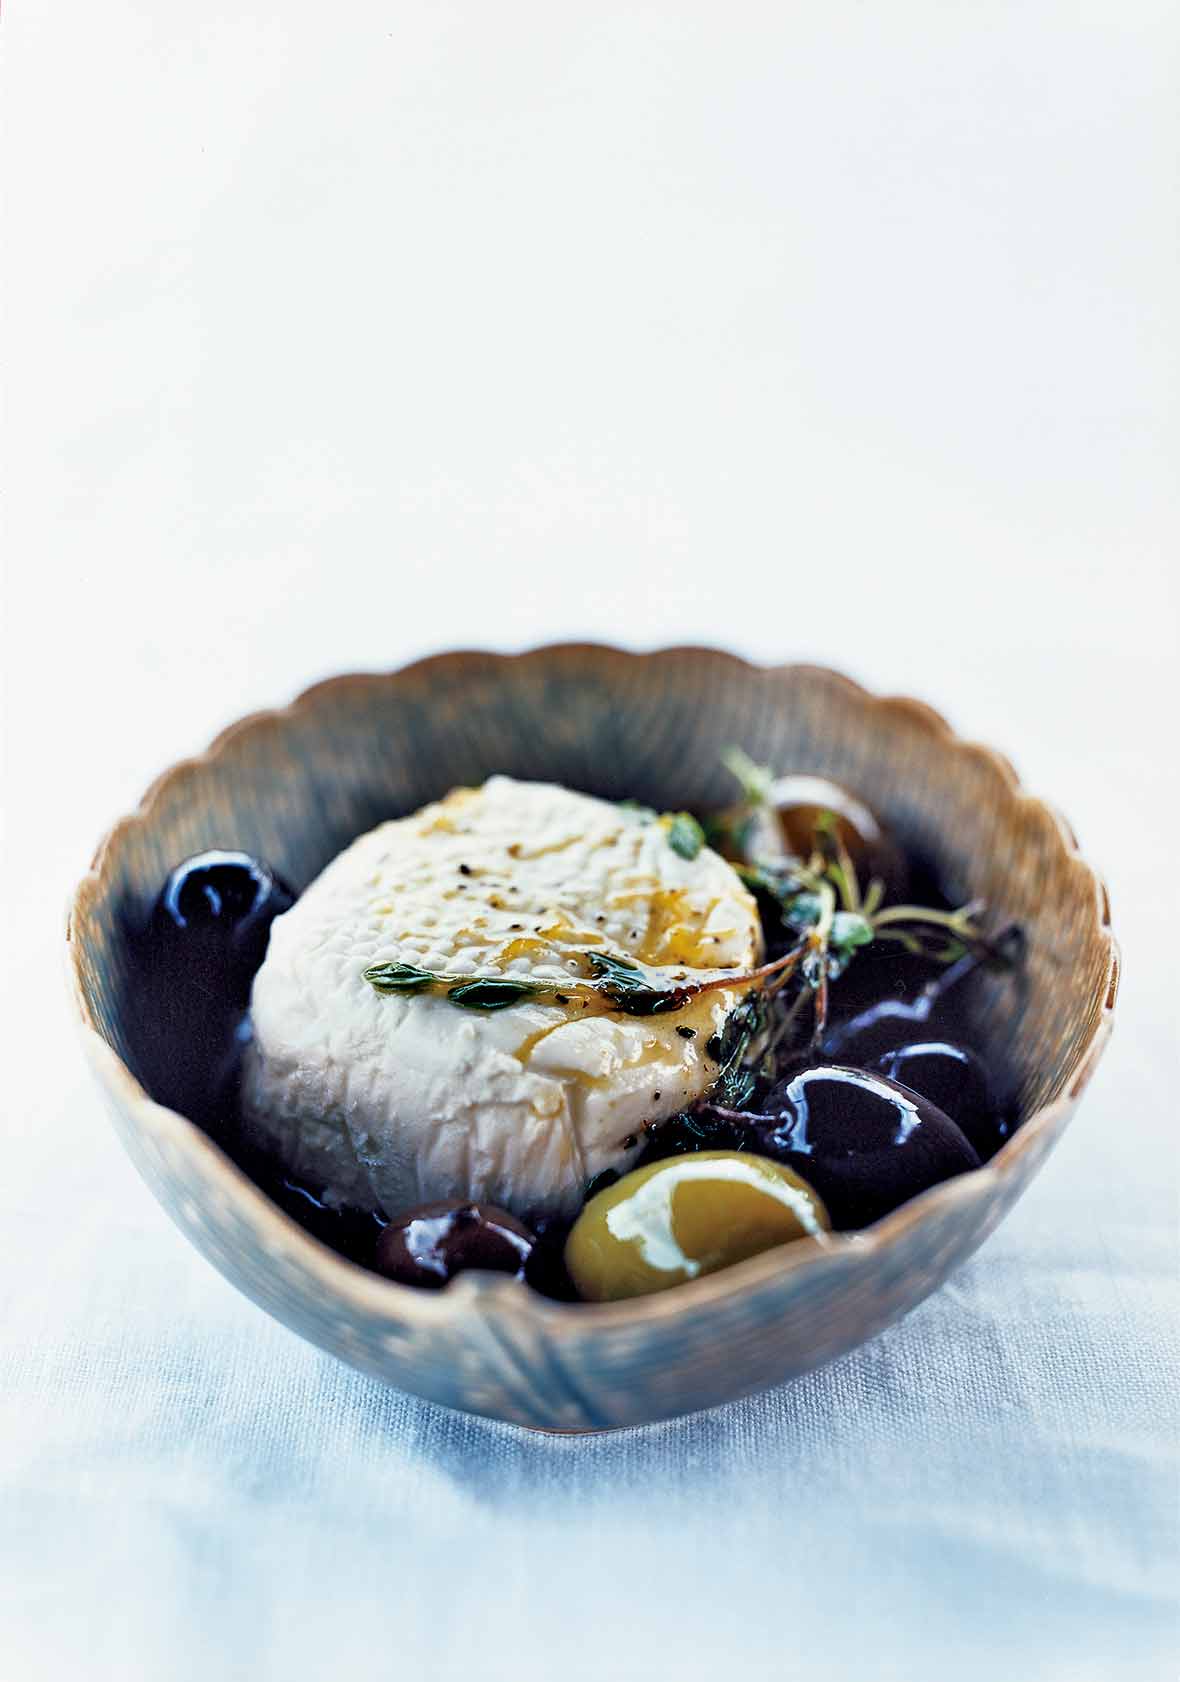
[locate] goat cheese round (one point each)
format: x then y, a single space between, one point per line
382 1101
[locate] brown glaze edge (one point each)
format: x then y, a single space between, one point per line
372 1292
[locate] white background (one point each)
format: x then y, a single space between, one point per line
339 334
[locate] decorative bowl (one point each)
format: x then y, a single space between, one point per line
294 786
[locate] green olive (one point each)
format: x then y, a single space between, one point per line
689 1215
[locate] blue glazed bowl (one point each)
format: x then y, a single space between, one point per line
295 786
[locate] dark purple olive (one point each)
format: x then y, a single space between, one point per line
926 1004
921 1039
889 996
953 1078
884 976
431 1244
353 1232
545 1269
864 1142
196 961
229 895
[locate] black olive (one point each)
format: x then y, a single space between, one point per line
431 1244
352 1232
230 896
196 961
545 1269
600 1182
919 1033
883 1002
955 1079
889 987
864 1142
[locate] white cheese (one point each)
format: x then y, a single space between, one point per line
384 1101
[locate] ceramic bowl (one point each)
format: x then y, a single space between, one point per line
295 786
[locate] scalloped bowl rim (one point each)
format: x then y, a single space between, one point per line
371 1293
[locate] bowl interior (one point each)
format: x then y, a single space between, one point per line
294 787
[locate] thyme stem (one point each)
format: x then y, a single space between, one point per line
845 873
959 922
823 927
872 900
778 967
820 1022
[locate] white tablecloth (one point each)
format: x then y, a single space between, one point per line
340 335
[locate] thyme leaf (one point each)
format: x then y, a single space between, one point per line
685 835
849 930
628 988
490 992
736 1081
399 978
493 992
620 983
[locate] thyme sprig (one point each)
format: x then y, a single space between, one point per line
484 992
615 983
822 899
